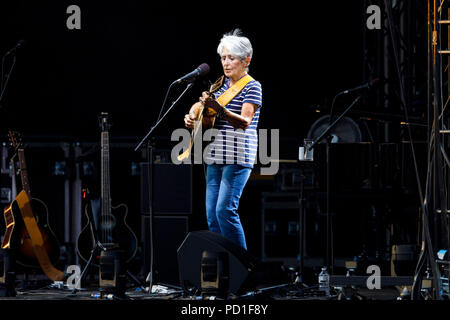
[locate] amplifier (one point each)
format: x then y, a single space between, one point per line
171 187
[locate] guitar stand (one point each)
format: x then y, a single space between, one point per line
7 275
88 264
135 280
110 273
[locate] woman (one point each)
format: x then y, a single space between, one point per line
233 153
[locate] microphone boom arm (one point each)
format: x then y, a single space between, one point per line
190 84
4 85
331 126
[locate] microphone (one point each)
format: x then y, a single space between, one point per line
201 70
19 44
368 85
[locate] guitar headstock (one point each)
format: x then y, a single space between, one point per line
14 139
217 85
104 121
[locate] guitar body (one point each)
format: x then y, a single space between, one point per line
112 231
18 239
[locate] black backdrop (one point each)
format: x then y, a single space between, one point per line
128 52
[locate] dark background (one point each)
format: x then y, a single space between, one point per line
127 53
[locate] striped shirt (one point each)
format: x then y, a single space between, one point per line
236 146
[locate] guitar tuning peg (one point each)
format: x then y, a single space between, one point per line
105 121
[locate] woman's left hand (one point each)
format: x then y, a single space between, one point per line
209 102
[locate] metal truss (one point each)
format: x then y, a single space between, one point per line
411 55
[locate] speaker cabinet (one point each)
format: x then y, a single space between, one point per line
168 234
171 189
241 263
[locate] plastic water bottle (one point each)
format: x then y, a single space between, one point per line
324 281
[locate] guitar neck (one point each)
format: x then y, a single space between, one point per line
24 172
105 176
4 169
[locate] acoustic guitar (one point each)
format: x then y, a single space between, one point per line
28 231
109 226
200 113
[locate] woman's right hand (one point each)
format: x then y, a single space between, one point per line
194 112
189 121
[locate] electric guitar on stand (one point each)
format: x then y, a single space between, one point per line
106 224
28 233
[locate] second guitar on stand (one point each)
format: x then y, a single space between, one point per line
112 230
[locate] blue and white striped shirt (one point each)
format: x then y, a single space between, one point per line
236 146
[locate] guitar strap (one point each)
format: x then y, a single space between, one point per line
36 238
223 100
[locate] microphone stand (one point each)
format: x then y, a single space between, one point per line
3 86
329 262
149 179
162 118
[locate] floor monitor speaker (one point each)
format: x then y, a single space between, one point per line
241 263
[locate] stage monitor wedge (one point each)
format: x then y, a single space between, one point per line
241 263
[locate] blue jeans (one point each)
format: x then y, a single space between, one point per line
224 186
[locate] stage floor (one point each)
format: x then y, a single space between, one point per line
173 304
159 293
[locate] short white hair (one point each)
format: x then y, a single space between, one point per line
237 44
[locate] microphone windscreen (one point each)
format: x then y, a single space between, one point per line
204 69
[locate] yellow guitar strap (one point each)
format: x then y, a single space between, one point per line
231 92
223 100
